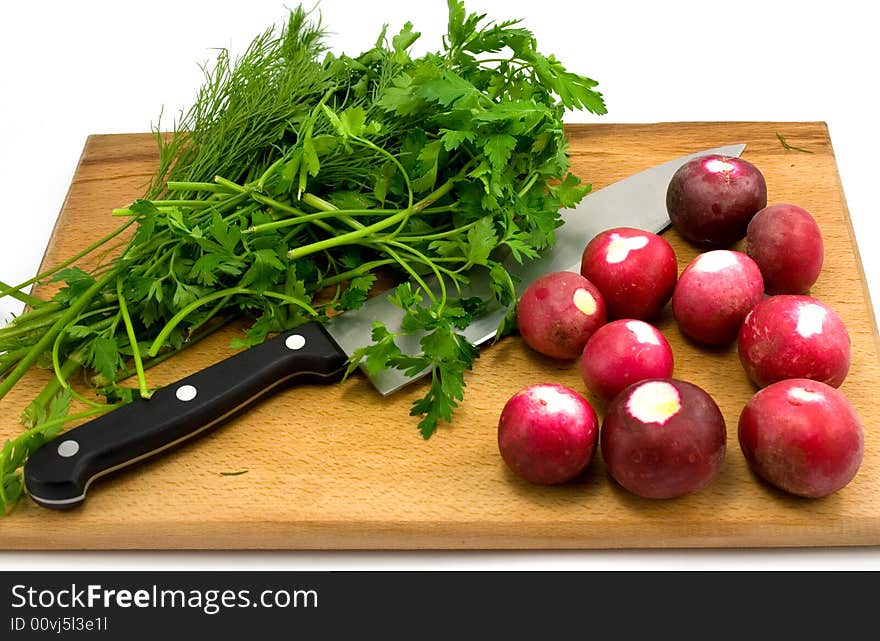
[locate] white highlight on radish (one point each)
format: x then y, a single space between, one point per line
619 247
715 261
584 301
643 332
554 399
654 402
718 166
810 318
805 395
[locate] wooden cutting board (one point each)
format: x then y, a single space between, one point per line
340 467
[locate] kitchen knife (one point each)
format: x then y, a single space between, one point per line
58 474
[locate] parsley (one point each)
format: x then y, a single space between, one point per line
295 180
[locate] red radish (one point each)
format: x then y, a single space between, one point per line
635 270
663 438
714 294
711 199
790 336
622 353
802 436
786 243
547 433
558 312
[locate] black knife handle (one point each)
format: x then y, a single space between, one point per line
58 474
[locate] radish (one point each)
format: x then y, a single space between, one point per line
711 199
622 353
558 312
547 433
786 243
714 294
635 270
802 436
789 336
663 438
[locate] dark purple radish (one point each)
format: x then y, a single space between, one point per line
663 438
711 199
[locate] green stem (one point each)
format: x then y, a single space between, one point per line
35 313
441 191
42 427
322 205
302 218
352 236
49 337
229 185
522 192
63 373
347 239
111 331
132 339
427 261
240 212
60 375
270 170
318 203
192 203
192 340
10 358
271 202
362 269
283 297
54 386
177 185
288 222
418 279
233 291
14 331
438 235
209 315
158 262
390 156
27 299
222 206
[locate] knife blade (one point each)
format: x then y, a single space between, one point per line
59 474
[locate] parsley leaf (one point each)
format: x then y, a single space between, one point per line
356 293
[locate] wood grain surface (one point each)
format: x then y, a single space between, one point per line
340 467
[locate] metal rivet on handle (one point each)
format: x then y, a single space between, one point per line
68 448
295 341
186 393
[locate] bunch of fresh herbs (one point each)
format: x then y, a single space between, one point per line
296 179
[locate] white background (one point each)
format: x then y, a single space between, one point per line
69 69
